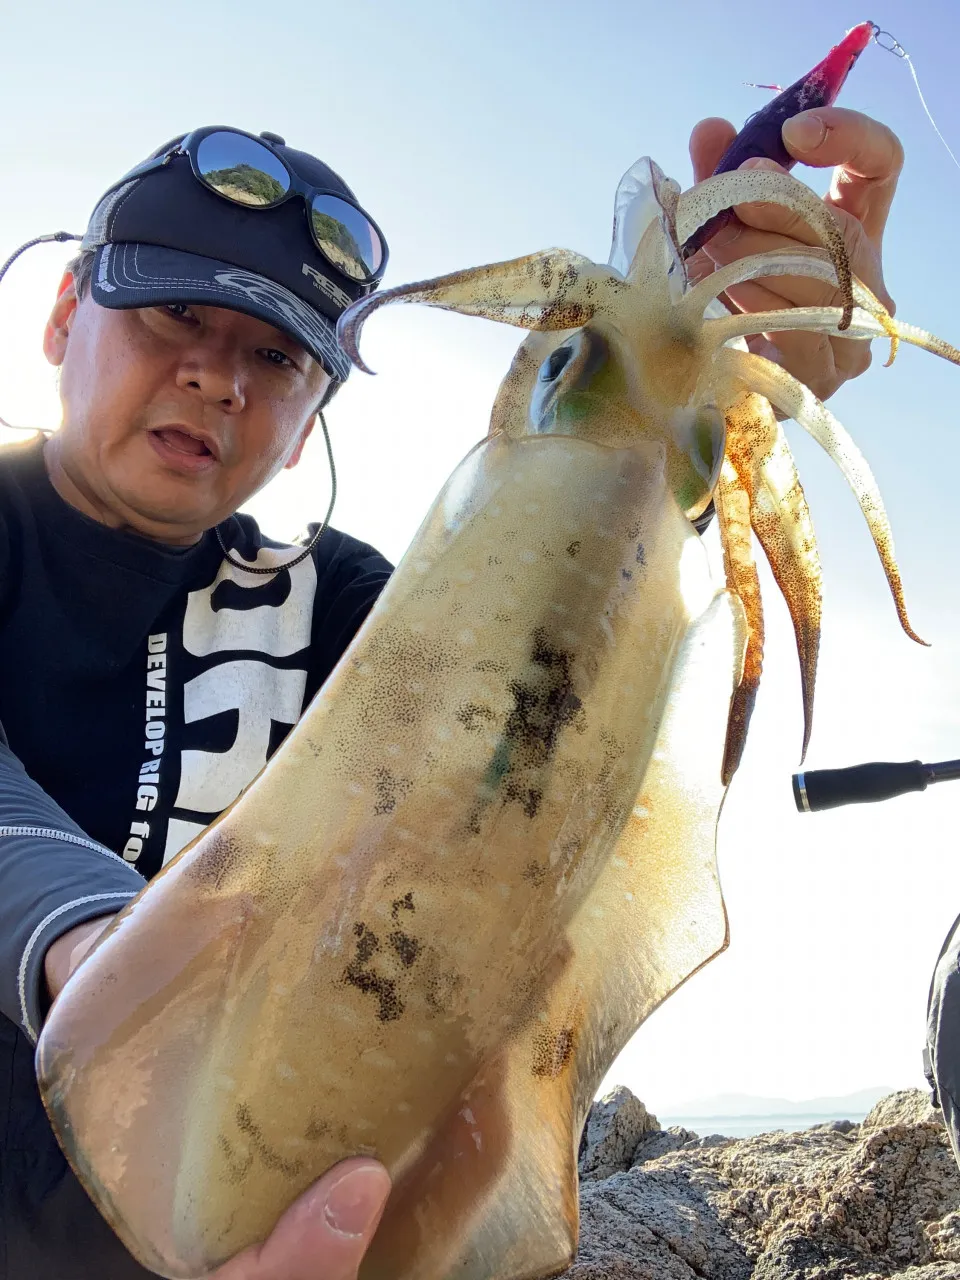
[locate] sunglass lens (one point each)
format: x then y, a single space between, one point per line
241 169
347 237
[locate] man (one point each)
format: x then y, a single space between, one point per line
157 647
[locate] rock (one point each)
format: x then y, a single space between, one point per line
659 1143
838 1126
908 1106
653 1226
713 1140
614 1127
878 1201
943 1237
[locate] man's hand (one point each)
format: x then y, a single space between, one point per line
324 1234
868 159
69 950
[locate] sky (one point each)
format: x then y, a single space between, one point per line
475 132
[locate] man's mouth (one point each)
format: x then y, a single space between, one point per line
183 449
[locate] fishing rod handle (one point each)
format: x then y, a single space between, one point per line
860 784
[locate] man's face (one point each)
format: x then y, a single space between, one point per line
174 416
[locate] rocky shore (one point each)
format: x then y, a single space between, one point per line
878 1200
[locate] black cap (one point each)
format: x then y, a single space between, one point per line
161 236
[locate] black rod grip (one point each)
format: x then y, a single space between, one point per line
944 771
862 783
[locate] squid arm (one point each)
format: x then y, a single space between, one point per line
870 319
815 264
702 202
799 403
732 502
782 522
555 289
864 327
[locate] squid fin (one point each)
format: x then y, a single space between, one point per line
497 1189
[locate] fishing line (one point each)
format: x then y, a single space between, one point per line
890 44
249 568
60 237
896 48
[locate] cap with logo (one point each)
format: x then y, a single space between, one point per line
160 236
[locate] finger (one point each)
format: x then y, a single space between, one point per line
868 158
708 141
763 215
753 296
324 1234
765 228
821 361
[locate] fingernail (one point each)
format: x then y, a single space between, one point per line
805 132
354 1201
761 162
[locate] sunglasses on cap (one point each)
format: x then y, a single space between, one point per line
249 172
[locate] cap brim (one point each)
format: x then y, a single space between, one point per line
147 275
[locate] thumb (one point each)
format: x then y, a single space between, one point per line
324 1234
708 141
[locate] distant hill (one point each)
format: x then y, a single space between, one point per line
746 1104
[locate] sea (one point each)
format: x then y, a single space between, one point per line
747 1126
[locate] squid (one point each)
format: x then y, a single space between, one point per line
487 851
689 369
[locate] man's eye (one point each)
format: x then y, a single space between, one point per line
279 358
179 310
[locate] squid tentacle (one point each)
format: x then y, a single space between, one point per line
808 262
927 341
758 450
791 550
732 501
863 328
556 289
702 202
799 403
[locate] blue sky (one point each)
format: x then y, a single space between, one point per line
475 132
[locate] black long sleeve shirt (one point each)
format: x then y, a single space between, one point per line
143 688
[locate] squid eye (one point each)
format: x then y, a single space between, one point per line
569 369
556 362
